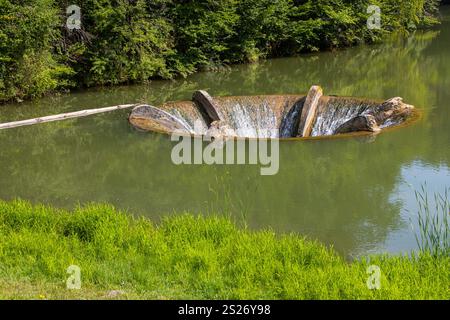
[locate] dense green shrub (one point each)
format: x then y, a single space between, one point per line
203 29
122 41
126 41
28 31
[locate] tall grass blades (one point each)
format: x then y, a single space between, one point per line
433 220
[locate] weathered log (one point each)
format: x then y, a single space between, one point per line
63 116
206 103
359 123
149 118
309 111
392 111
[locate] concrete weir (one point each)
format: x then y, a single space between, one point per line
272 116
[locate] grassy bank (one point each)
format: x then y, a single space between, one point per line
121 41
188 257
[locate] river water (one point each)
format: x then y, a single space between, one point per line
356 194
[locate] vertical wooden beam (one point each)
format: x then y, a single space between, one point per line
207 105
309 111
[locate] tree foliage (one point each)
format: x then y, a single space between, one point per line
130 41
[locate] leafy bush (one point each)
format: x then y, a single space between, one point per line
127 41
28 30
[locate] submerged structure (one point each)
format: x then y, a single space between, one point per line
272 116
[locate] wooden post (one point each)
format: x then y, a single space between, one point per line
63 116
208 105
309 111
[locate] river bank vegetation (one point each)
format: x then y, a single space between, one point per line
124 41
190 257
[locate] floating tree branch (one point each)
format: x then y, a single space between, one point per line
64 116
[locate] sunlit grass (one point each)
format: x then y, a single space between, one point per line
433 220
189 257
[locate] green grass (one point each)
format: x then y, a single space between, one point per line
433 220
189 257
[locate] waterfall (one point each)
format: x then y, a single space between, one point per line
336 112
267 117
242 123
289 124
266 121
253 121
195 125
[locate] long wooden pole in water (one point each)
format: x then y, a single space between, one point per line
63 116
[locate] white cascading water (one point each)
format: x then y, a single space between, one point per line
256 118
336 113
289 124
253 122
194 126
